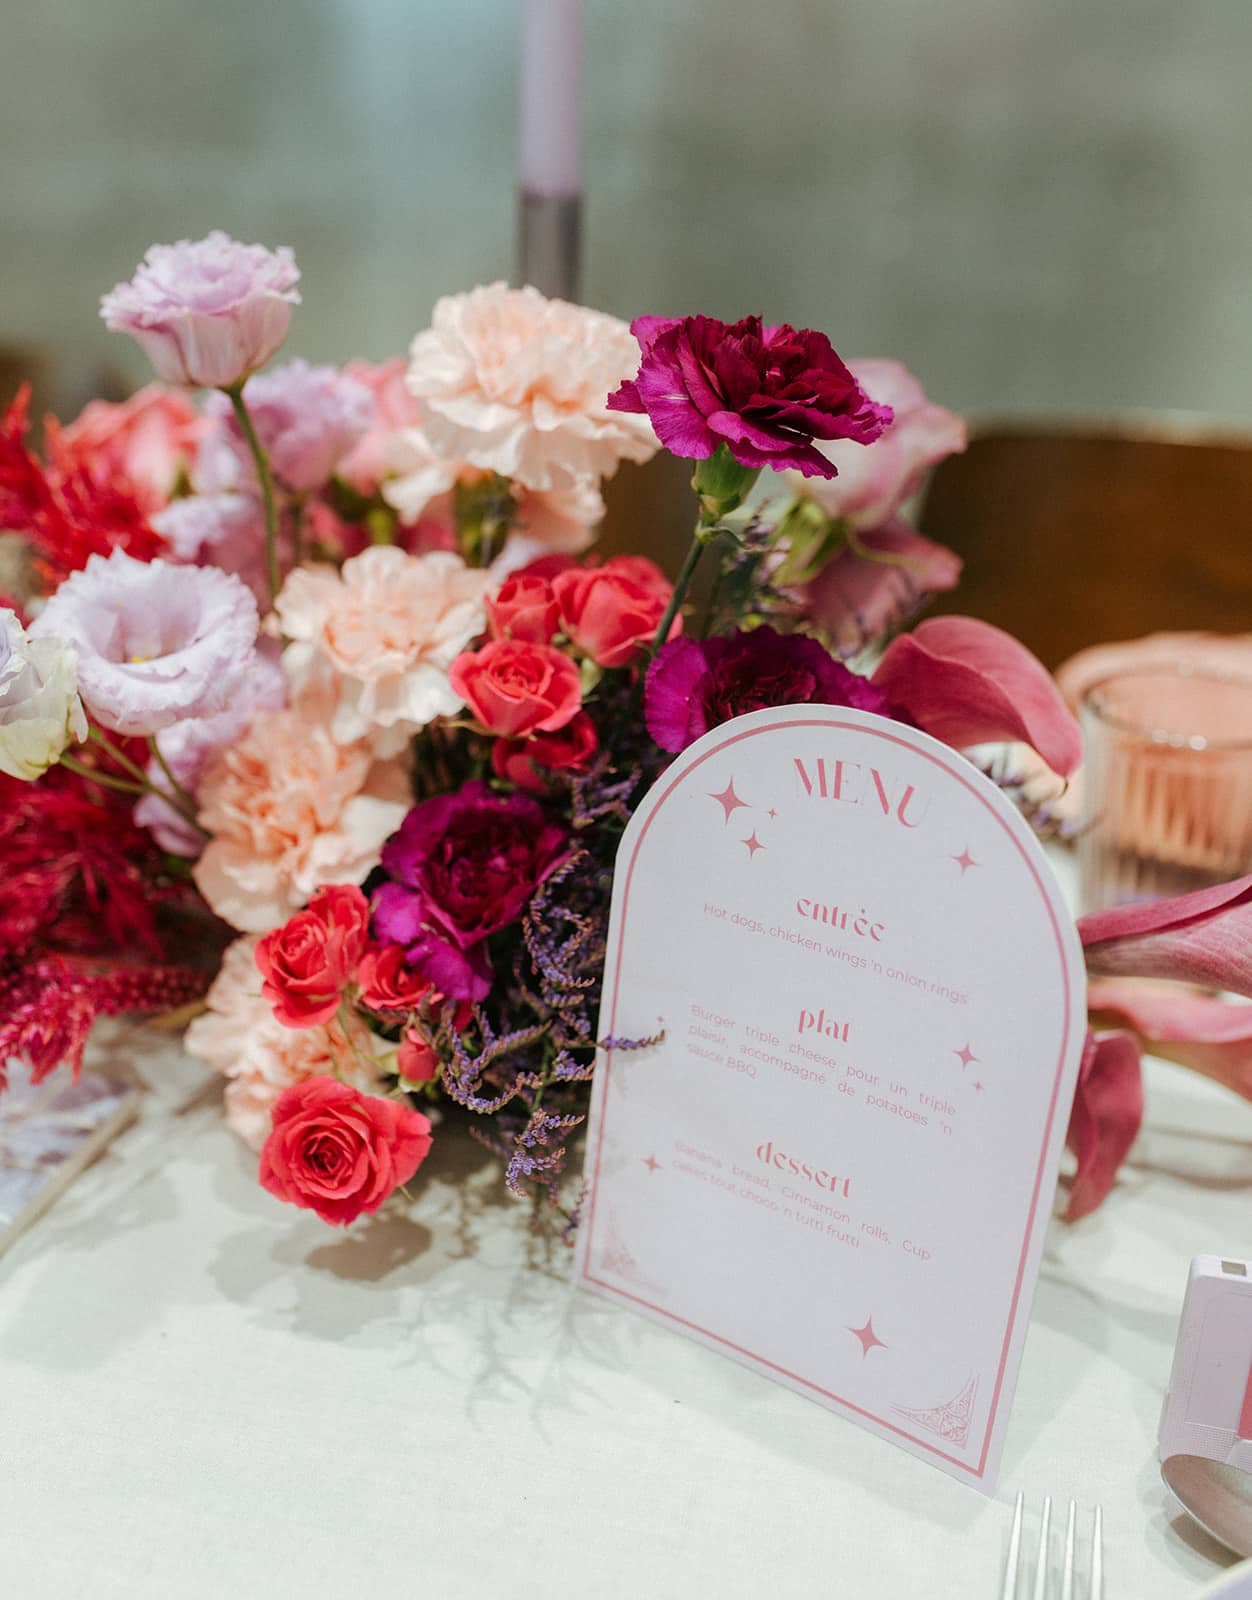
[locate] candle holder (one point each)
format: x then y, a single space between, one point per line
549 243
1167 784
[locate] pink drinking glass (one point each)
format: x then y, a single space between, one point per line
1167 784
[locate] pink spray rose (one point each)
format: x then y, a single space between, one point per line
875 481
156 643
207 313
305 964
877 582
766 393
368 462
143 442
307 419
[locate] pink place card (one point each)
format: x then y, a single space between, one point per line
837 1165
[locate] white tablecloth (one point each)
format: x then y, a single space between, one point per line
204 1393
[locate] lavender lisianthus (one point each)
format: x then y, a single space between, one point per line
462 866
697 684
155 642
766 393
207 313
307 418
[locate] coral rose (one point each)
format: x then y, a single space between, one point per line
290 810
339 1152
207 313
524 607
612 612
239 1036
389 625
514 383
515 688
146 442
306 963
524 761
416 1062
388 983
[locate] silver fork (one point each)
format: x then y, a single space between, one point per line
1015 1562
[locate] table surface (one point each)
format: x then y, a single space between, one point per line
208 1394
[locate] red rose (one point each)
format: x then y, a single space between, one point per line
340 1152
515 688
612 612
307 961
415 1060
524 608
388 983
518 760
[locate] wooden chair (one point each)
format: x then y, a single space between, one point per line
1074 535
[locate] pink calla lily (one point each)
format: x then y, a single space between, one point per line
1108 1108
1204 937
968 683
1211 1036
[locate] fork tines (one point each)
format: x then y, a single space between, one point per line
1015 1563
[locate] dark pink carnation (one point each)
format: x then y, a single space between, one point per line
697 684
462 866
765 393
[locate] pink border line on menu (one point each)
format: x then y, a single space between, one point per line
670 1316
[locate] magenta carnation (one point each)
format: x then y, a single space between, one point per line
207 313
462 866
765 393
697 684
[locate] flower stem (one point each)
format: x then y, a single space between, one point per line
104 779
261 461
117 755
183 794
683 583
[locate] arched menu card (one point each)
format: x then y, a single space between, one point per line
837 1164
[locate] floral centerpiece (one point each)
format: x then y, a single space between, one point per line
319 680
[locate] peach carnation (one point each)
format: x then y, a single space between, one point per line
547 521
290 809
239 1036
389 625
517 384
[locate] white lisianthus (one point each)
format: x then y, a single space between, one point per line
40 712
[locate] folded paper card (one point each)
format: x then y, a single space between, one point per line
838 1162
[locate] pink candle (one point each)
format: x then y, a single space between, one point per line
551 95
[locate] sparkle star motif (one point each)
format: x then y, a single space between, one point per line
728 799
651 1163
978 1086
753 844
965 861
771 813
966 1055
868 1337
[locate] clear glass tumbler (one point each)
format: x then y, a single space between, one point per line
1167 784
